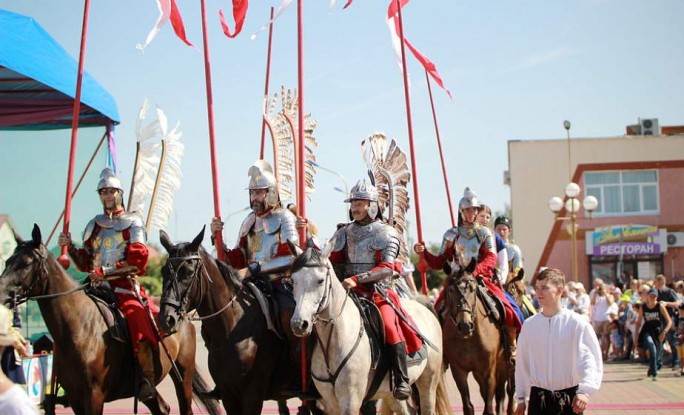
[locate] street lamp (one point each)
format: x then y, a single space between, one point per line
572 206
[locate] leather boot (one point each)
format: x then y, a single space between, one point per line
511 339
145 358
402 389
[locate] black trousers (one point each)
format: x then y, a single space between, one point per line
546 402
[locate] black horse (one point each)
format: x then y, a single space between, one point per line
246 358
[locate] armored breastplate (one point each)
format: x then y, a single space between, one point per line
109 247
468 242
268 232
360 254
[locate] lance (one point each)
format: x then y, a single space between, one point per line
64 258
268 75
218 237
422 264
300 159
441 155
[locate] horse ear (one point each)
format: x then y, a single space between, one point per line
198 239
294 249
471 266
328 248
165 240
520 275
17 238
35 234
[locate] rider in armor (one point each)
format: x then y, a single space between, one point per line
483 217
502 226
262 248
365 251
475 242
112 241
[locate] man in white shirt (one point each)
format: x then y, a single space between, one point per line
559 362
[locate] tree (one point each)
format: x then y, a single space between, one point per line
434 277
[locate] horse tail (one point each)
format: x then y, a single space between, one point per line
442 402
200 388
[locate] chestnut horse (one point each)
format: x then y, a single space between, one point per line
244 355
92 367
472 343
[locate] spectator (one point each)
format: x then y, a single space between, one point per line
11 356
583 305
668 298
654 316
628 318
680 335
616 339
559 358
601 300
13 399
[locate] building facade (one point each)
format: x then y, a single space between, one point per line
637 229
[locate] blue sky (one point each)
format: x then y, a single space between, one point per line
516 71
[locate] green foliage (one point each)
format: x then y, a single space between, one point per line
152 280
434 277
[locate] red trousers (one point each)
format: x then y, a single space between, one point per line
138 320
396 330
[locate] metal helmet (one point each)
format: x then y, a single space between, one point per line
502 220
261 177
469 199
108 180
365 191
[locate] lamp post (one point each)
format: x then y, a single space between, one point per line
572 206
344 181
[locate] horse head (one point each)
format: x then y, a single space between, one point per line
181 284
516 285
460 296
312 276
26 271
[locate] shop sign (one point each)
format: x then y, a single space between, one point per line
626 240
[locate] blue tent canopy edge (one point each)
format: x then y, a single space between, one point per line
38 81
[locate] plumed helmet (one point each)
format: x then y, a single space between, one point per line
109 180
502 220
469 199
363 191
261 177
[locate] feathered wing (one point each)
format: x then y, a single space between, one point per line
388 167
283 126
158 165
147 160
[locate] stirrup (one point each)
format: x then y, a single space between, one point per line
147 391
402 391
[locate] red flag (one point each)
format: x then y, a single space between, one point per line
177 23
239 13
392 14
347 4
167 11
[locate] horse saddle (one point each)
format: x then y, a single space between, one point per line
104 299
493 306
263 291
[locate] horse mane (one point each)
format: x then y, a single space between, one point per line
229 275
52 267
309 258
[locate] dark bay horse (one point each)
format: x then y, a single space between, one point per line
244 355
92 367
472 343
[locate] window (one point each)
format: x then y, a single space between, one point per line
629 192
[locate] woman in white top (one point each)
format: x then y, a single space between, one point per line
582 301
13 399
601 300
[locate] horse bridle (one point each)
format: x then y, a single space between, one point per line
463 305
182 300
40 275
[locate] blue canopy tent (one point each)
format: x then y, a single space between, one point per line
38 81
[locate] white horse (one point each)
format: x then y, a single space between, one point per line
341 360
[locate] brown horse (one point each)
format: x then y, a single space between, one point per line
245 356
472 343
516 288
92 367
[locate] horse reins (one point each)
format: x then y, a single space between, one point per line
195 277
43 274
